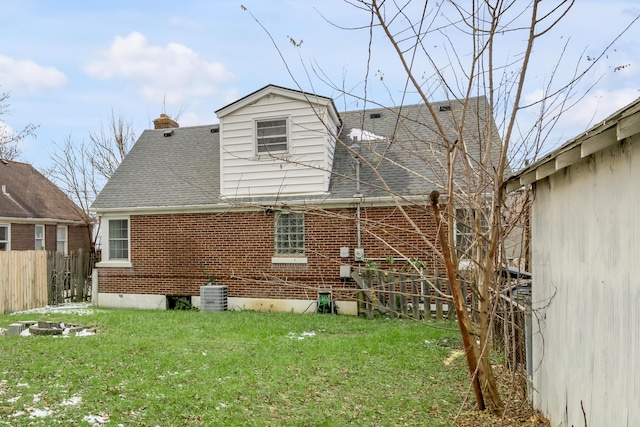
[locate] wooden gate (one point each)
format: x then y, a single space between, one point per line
69 277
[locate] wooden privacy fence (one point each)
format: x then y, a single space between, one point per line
23 280
32 279
407 295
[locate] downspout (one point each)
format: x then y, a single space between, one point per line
358 202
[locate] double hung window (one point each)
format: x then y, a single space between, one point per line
39 237
118 239
61 239
272 136
4 237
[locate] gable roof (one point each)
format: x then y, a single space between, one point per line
618 126
182 171
27 194
271 89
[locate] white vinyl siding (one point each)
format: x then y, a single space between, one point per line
39 237
5 233
301 167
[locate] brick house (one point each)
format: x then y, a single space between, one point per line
282 198
35 214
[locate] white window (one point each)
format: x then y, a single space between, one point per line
289 234
467 236
115 238
272 136
39 236
62 232
5 232
118 239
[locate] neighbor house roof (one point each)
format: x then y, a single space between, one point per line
394 144
618 126
26 194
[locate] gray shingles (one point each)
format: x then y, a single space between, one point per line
179 170
183 169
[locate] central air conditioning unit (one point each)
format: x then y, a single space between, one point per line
213 298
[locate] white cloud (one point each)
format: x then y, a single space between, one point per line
597 106
173 73
27 74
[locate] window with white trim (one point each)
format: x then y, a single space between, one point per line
62 233
272 136
289 234
466 226
118 239
39 237
5 233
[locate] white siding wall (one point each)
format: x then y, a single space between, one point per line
586 267
305 169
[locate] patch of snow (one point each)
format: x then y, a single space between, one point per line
363 135
302 336
85 333
36 397
2 331
81 309
25 333
95 420
39 413
22 385
72 401
13 399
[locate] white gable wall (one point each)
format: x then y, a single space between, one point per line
586 290
304 169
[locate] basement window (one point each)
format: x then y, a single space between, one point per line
272 136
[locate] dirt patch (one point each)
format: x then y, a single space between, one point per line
517 413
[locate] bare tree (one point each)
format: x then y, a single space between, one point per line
82 169
110 144
72 170
9 139
473 63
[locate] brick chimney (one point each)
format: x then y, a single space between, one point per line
165 122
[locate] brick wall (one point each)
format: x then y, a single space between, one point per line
23 237
78 238
175 254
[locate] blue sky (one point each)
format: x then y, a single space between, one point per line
68 65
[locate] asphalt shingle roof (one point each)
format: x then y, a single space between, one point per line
28 194
399 146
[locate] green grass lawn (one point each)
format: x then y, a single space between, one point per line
175 368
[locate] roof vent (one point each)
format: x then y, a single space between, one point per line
445 108
215 130
4 190
168 132
374 115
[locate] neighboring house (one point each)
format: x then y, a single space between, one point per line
586 275
280 200
35 214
